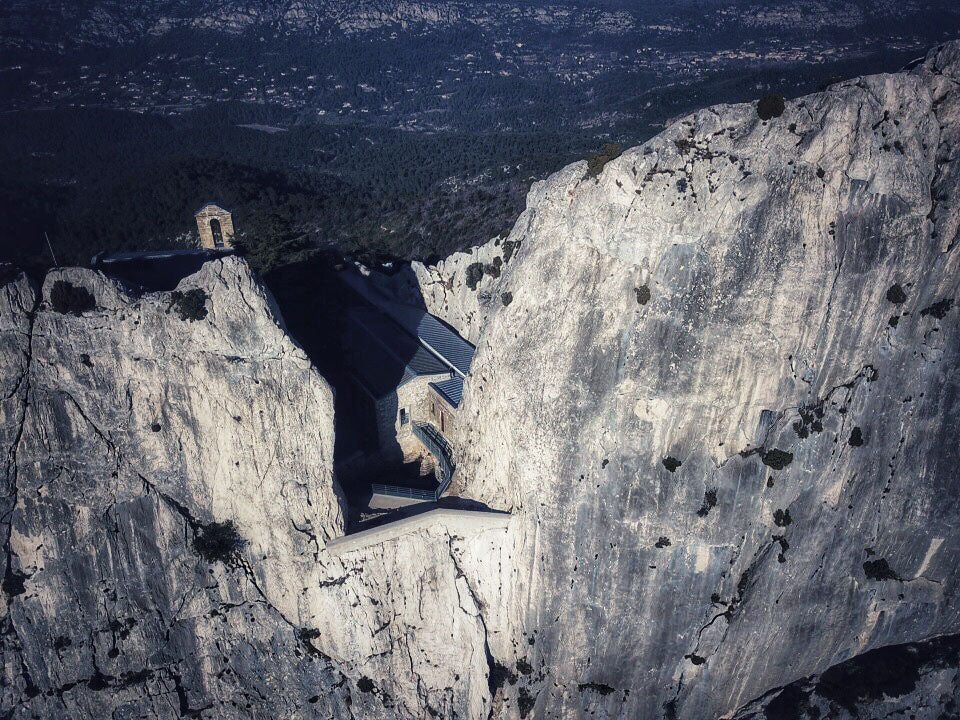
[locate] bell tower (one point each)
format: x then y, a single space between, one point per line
215 226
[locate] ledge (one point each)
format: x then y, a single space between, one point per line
463 521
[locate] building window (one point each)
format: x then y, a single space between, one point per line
404 419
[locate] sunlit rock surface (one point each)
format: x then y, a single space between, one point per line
128 430
723 403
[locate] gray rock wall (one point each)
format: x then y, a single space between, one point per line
128 430
723 403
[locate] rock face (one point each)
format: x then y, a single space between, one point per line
723 405
131 426
717 386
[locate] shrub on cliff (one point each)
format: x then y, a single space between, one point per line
596 163
770 106
474 275
73 299
218 541
191 305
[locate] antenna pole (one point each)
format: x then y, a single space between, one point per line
55 263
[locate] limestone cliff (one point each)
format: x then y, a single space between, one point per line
723 405
138 427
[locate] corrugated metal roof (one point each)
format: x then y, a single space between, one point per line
381 355
450 390
430 330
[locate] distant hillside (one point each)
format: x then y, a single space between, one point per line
407 129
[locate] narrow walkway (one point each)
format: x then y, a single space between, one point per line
460 522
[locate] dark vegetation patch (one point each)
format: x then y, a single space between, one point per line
506 298
893 321
643 294
596 163
218 541
781 518
509 248
191 305
776 458
499 676
601 688
525 702
879 570
474 275
709 502
770 106
67 298
671 463
695 659
896 295
155 427
14 582
62 642
85 359
938 309
856 437
523 667
365 684
662 542
811 420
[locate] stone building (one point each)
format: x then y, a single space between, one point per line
408 365
215 226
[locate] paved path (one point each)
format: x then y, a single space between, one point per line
460 522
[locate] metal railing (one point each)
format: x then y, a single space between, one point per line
405 492
436 444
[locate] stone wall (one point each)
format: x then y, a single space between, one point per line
204 217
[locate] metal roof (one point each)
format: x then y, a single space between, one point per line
432 332
450 390
381 355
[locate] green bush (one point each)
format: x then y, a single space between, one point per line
770 106
474 275
191 305
218 541
596 163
